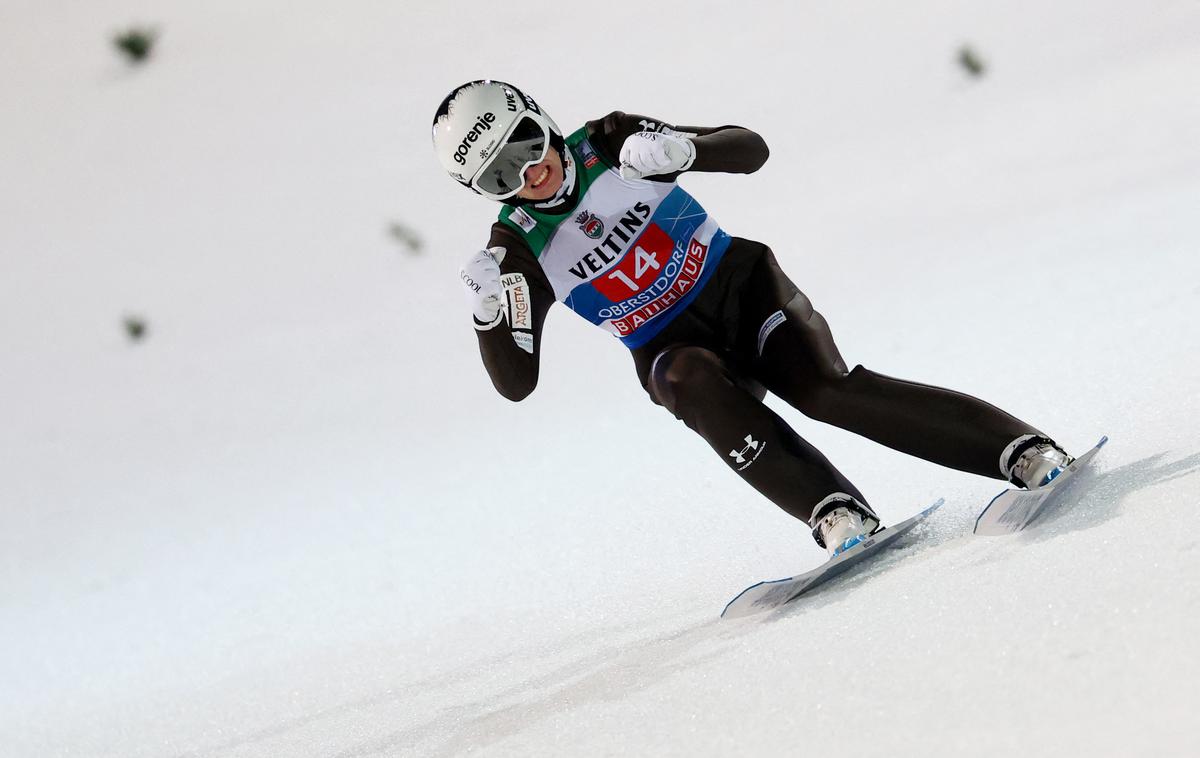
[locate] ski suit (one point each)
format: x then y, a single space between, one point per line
712 322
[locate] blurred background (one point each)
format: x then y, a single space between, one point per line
259 497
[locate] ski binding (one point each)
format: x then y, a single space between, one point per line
769 595
1013 510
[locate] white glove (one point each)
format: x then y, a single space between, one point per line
480 274
649 153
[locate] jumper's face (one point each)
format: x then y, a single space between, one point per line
543 179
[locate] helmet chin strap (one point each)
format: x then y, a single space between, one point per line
568 182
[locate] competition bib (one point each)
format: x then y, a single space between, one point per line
630 255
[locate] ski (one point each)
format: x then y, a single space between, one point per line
1013 510
769 595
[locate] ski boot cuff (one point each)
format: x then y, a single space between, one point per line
841 500
1021 454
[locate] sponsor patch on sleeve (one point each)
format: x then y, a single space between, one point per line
524 341
768 326
519 309
516 290
522 219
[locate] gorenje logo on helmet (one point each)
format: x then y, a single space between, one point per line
481 125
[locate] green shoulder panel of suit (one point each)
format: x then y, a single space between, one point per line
537 227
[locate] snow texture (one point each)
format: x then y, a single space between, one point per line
296 520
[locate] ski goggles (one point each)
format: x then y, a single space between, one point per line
524 145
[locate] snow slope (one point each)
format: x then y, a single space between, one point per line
297 520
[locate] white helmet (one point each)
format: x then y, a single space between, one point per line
486 133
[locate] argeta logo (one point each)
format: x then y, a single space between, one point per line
749 454
590 225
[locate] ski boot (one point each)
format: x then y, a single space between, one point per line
839 522
1032 461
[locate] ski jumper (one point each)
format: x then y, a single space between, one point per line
712 323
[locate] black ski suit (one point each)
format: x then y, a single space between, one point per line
750 330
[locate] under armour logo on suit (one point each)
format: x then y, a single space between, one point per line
749 453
